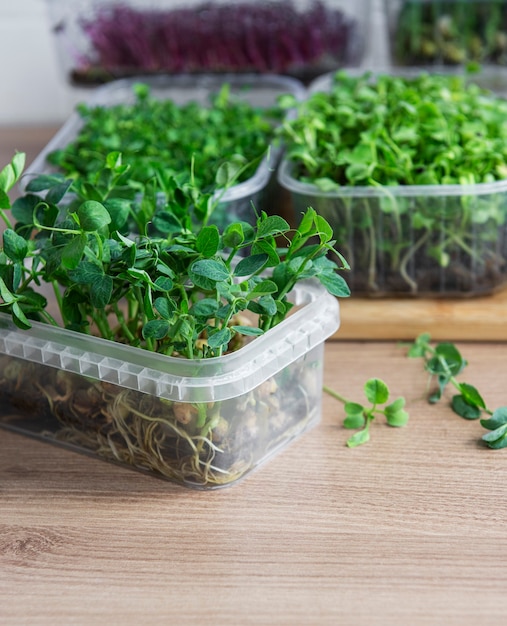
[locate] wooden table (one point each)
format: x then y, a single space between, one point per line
407 530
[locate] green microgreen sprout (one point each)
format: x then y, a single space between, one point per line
182 292
158 138
444 362
451 32
359 417
362 141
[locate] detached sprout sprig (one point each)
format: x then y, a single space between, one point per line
359 417
445 362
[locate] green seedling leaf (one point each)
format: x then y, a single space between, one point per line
208 241
72 252
19 317
5 293
250 331
44 182
397 418
156 329
359 438
250 265
472 396
271 225
233 236
219 338
210 269
118 210
205 308
100 291
496 439
499 418
264 288
93 216
15 247
353 422
376 391
165 306
335 284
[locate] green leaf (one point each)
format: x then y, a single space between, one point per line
86 273
376 391
163 283
471 395
219 338
251 331
357 439
208 241
497 438
271 225
354 408
353 422
335 284
395 406
72 252
44 181
19 317
462 408
206 308
210 269
100 291
118 210
166 223
156 329
264 288
250 265
93 216
5 293
499 418
57 192
397 418
15 246
165 306
233 236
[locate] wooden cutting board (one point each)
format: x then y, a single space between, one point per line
479 318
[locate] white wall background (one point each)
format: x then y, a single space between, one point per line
33 88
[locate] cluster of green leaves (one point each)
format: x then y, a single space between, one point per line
359 417
428 129
177 293
159 138
451 32
445 362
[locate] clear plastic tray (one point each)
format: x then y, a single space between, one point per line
201 423
462 253
100 40
260 91
447 32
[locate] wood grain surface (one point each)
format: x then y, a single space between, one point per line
408 530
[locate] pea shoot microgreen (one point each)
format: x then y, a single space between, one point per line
359 417
182 292
444 362
159 138
362 141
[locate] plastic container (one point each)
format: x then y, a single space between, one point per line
424 240
447 32
237 202
203 424
100 40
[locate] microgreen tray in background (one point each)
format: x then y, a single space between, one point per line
411 172
106 39
186 126
447 32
